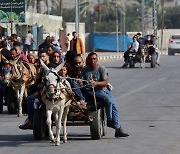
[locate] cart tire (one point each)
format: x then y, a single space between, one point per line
96 125
131 62
1 107
12 102
40 128
104 122
153 60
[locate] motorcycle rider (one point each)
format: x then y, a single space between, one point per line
134 48
158 52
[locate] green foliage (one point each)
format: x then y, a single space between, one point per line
8 15
172 18
108 20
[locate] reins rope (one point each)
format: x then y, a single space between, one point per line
88 83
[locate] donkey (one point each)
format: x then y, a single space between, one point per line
141 56
19 75
56 95
144 52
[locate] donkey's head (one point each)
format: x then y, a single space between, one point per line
51 80
7 70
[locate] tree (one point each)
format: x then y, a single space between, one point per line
100 9
36 4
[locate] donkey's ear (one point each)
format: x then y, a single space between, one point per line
4 59
45 68
58 68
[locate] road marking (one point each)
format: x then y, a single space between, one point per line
133 91
161 79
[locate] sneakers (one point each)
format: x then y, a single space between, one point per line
120 133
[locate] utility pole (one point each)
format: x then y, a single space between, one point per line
155 17
61 7
11 19
142 17
47 5
77 17
124 22
162 23
117 39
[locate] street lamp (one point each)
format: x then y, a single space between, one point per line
117 39
77 16
11 19
142 16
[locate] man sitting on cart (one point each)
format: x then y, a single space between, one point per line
97 76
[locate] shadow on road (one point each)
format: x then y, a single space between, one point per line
17 140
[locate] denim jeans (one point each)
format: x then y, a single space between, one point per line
77 90
113 111
30 106
106 100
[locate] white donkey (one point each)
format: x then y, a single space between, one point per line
19 75
56 95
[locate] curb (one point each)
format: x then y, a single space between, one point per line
110 57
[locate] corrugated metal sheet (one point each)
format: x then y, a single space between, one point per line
107 42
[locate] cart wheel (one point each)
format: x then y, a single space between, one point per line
104 122
153 61
96 125
131 62
1 106
40 128
12 102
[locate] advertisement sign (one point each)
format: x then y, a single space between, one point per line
12 10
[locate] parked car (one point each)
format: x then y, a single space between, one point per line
174 44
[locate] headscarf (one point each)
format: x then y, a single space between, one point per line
59 57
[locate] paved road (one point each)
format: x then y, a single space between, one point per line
148 101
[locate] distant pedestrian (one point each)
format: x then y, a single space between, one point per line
14 41
67 42
28 41
76 44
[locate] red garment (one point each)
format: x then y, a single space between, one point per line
23 58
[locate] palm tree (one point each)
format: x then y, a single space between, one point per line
101 8
36 4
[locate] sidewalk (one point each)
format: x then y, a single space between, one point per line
108 55
114 55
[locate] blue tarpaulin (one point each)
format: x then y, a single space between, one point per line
107 42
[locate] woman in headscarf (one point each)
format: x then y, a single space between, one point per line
56 57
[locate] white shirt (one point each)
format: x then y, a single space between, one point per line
135 46
29 38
